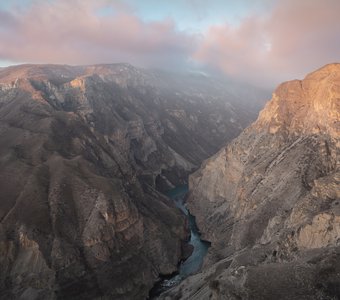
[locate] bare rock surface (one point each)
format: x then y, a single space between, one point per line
269 201
84 152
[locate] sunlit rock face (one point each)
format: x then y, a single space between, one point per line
269 201
84 152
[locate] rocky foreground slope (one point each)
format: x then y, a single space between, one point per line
270 201
83 154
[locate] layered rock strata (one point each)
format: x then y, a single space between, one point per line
270 200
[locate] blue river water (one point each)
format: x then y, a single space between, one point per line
194 262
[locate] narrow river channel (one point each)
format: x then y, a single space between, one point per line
194 262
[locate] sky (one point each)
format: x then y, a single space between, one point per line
263 42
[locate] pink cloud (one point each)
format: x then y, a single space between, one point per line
74 32
294 38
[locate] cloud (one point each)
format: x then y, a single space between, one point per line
295 37
284 39
87 32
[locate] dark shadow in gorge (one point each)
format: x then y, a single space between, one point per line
200 247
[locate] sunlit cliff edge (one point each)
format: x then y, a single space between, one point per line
270 203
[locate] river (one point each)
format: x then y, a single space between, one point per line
194 262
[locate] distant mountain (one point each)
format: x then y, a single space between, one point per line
269 200
84 154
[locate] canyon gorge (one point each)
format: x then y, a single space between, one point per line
94 162
269 201
86 154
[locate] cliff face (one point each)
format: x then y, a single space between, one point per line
269 201
83 151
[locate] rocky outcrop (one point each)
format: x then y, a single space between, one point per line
147 114
75 221
83 153
269 201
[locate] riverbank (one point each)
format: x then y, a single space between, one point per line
200 248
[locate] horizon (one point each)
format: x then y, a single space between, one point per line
260 42
214 75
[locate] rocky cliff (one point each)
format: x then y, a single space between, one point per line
164 123
269 201
83 154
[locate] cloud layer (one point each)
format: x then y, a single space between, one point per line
294 38
87 32
285 41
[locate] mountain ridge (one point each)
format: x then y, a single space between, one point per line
83 159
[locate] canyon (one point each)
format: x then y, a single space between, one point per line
86 154
269 201
89 153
